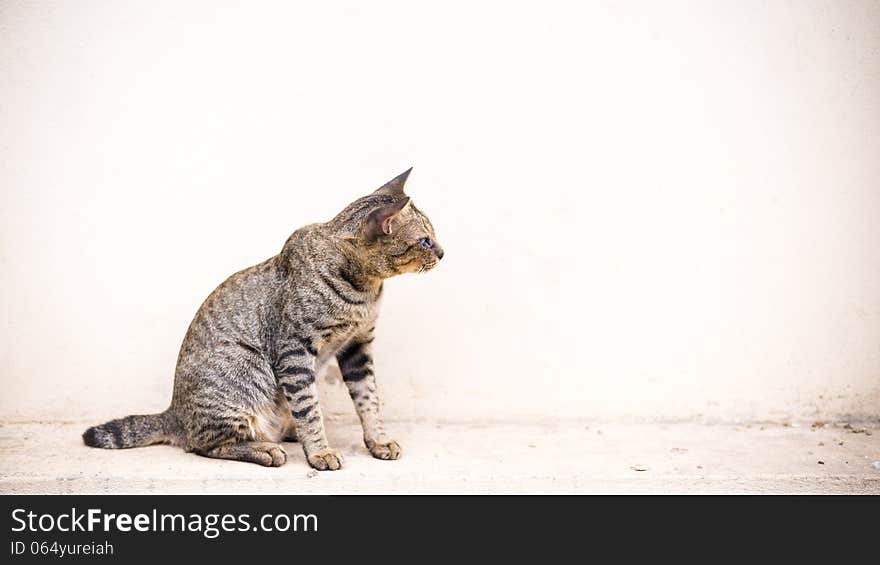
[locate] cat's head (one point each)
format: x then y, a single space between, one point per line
388 234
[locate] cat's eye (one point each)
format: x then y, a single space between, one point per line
426 242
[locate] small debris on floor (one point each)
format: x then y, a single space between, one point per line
639 468
819 424
311 474
821 443
855 430
876 465
820 462
532 445
699 466
678 450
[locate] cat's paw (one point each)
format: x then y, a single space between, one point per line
271 456
327 460
388 450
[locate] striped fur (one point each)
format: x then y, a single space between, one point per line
246 371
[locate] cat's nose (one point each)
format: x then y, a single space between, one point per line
438 251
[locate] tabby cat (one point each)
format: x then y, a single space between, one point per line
245 378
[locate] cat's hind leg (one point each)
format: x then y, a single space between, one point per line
240 439
252 435
238 411
263 453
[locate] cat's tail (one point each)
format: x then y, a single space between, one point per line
133 431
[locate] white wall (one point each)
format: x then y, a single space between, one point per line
650 209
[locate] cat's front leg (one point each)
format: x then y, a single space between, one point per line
356 364
295 373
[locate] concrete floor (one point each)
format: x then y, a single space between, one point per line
564 457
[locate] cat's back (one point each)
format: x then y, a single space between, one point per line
240 308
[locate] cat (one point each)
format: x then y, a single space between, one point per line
245 377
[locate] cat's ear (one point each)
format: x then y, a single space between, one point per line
384 220
394 186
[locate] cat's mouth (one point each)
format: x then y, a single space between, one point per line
427 266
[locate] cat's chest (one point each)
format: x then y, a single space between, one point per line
337 332
332 335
